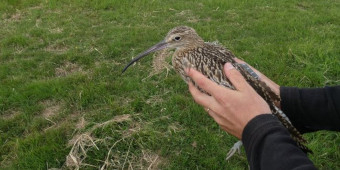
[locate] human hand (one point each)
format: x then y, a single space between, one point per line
272 85
231 109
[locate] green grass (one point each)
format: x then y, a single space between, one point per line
60 75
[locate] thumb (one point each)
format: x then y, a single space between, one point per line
235 77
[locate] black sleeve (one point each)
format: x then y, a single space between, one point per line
268 145
312 109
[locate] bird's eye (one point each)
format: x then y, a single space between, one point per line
177 38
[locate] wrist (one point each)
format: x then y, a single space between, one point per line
256 124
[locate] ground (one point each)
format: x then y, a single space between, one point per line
65 104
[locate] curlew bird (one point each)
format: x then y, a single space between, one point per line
209 59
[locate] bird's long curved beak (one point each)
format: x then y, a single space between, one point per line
159 46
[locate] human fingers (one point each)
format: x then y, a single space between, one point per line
202 98
208 102
224 123
263 77
203 82
220 120
235 77
254 69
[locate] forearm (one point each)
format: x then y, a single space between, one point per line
269 146
312 109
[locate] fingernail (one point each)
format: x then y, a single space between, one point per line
229 66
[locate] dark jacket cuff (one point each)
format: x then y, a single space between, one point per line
258 127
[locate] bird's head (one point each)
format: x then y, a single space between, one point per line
181 37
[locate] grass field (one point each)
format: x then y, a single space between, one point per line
65 104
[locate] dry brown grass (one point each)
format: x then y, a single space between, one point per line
57 48
159 63
189 16
68 68
9 114
115 158
51 108
81 123
155 99
56 30
16 17
81 144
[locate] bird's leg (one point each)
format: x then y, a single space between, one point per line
236 147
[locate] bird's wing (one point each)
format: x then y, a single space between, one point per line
228 56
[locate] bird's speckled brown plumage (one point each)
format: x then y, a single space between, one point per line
209 58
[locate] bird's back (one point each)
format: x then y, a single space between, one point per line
207 59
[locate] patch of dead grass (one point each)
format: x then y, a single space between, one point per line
57 48
150 160
51 108
83 142
153 100
146 160
124 100
19 15
174 128
78 153
115 158
135 127
10 114
116 119
81 123
56 30
16 17
303 6
68 68
188 14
